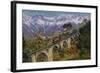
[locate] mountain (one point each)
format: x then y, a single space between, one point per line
46 26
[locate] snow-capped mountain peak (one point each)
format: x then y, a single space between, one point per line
47 25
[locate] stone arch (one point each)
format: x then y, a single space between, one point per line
65 45
57 53
42 56
72 38
57 45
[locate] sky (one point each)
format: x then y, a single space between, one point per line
51 13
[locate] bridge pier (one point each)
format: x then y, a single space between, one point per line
33 58
50 54
69 40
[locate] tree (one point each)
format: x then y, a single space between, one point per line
85 38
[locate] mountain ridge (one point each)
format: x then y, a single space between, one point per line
47 26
